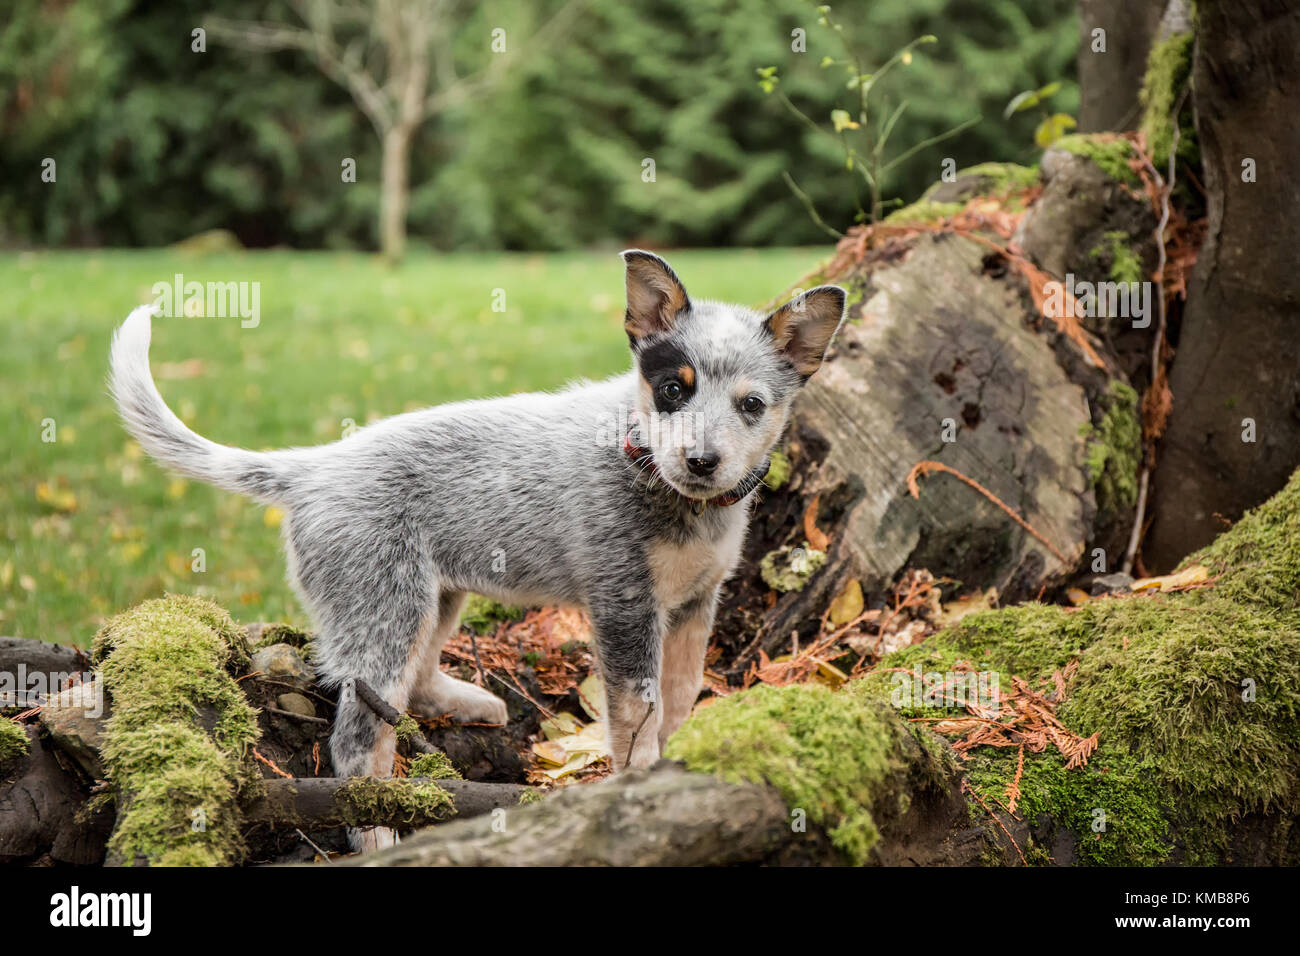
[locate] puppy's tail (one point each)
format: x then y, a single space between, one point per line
265 476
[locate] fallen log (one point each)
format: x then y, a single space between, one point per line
324 802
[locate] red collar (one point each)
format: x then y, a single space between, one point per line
739 493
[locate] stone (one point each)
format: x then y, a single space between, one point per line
296 704
283 662
74 719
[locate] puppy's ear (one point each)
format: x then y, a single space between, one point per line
654 295
803 327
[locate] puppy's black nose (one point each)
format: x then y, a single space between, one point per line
704 464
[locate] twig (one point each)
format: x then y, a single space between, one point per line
922 468
389 715
631 745
271 763
812 210
971 790
306 839
306 718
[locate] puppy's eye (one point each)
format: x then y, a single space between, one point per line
672 391
752 404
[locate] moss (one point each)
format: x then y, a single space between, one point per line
923 211
1195 697
436 766
1169 67
1110 152
778 472
1003 177
1257 562
836 755
13 740
532 795
788 569
1114 450
177 747
406 728
482 614
1116 248
363 799
282 634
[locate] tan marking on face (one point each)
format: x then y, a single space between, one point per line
687 375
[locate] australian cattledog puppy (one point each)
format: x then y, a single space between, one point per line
628 498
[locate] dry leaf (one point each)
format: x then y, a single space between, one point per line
1188 577
848 604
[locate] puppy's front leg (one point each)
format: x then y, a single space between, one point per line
685 643
629 648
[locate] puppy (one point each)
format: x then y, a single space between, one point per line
628 498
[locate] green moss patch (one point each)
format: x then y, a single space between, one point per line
924 212
364 799
1110 152
482 614
836 755
13 740
1116 252
1115 450
178 746
434 766
1195 697
1169 68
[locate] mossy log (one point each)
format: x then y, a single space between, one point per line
1194 698
319 802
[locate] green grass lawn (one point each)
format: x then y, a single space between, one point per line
91 526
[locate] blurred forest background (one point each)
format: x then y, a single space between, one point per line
163 142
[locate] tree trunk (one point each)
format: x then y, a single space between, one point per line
1109 82
394 192
1238 361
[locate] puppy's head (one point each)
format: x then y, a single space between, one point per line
717 380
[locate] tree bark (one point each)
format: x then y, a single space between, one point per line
1238 352
1109 82
394 194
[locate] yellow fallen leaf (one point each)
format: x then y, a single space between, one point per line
830 674
591 695
6 574
562 724
272 517
848 604
27 582
551 752
1169 582
1078 597
176 488
954 611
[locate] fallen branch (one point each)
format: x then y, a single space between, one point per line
319 803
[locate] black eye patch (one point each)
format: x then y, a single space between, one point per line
670 374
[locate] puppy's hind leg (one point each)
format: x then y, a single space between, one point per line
379 646
435 693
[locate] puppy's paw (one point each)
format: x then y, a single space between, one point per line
466 702
369 839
